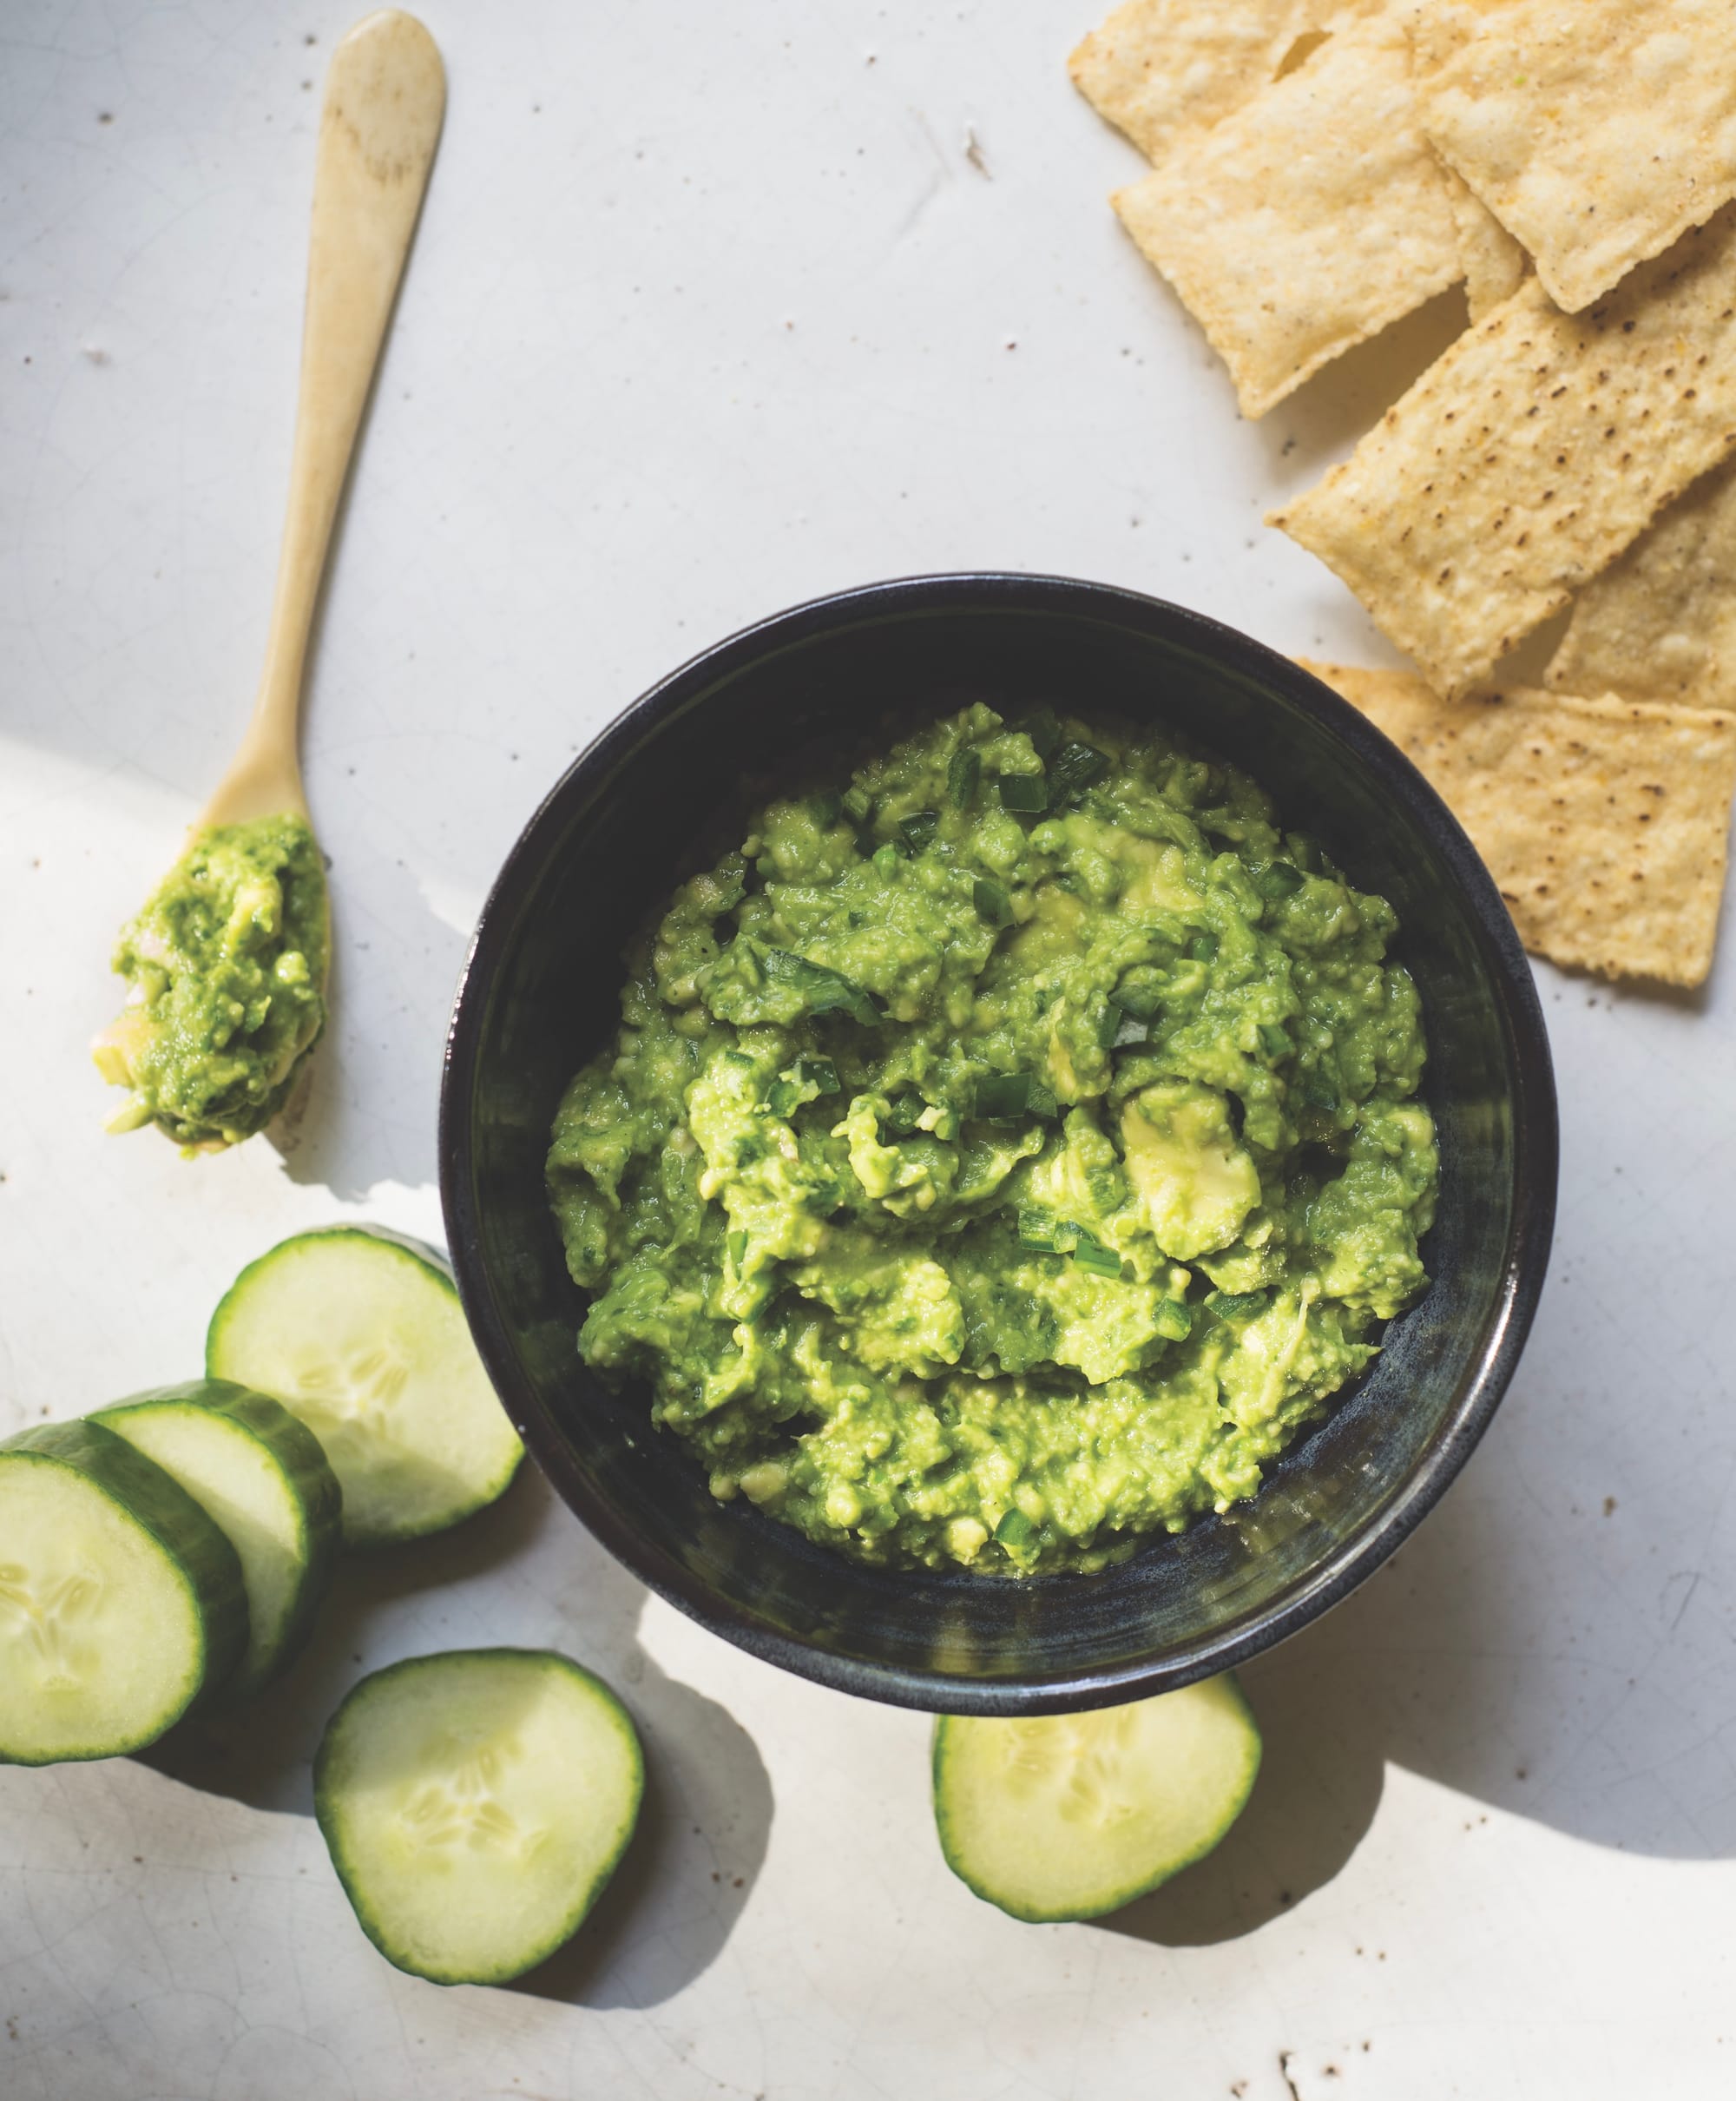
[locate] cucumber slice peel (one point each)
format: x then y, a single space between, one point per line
359 1333
121 1602
261 1475
475 1804
1069 1816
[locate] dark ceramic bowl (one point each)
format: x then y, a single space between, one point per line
539 996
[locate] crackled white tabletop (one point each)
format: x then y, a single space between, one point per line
713 308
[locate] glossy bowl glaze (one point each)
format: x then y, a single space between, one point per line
538 998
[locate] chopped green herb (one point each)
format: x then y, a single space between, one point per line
782 1097
992 902
1073 769
1037 1228
1003 1097
1274 1041
819 1073
918 830
824 991
857 804
1236 1305
1278 880
1142 1001
1015 1530
1028 794
1131 1031
1319 1092
904 1114
1092 1255
1043 730
887 858
1203 947
963 771
1173 1318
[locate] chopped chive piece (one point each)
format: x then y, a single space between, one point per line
1015 1530
1203 947
1041 726
963 771
1073 769
857 802
828 808
823 991
1028 794
919 828
1037 1228
1002 1095
738 1248
1109 1025
1274 1041
904 1114
1173 1318
1142 1001
1319 1092
887 858
1041 1102
1132 1030
992 902
1236 1305
1278 880
819 1073
1092 1255
781 1097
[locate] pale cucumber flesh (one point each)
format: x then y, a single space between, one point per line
475 1804
361 1334
261 1475
120 1601
1067 1816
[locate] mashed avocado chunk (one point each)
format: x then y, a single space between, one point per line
226 968
1003 1154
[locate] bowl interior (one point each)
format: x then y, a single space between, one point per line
540 998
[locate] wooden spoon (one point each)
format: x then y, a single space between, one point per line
385 94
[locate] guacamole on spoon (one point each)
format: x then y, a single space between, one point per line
225 969
1006 1152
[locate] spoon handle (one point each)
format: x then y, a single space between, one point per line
385 94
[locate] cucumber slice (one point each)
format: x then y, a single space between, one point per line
121 1602
360 1332
474 1805
1067 1816
261 1475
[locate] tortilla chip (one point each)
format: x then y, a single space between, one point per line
1597 131
1605 823
1526 459
1161 70
1662 624
1492 262
1307 220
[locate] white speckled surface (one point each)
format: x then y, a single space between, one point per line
711 312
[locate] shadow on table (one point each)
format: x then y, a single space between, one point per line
707 1812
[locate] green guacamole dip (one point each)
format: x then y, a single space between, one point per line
1004 1156
226 967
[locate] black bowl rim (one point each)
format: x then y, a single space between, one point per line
1535 1140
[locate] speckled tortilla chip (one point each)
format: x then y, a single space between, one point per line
1597 131
1605 823
1492 262
1660 624
1161 69
1309 220
1526 459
